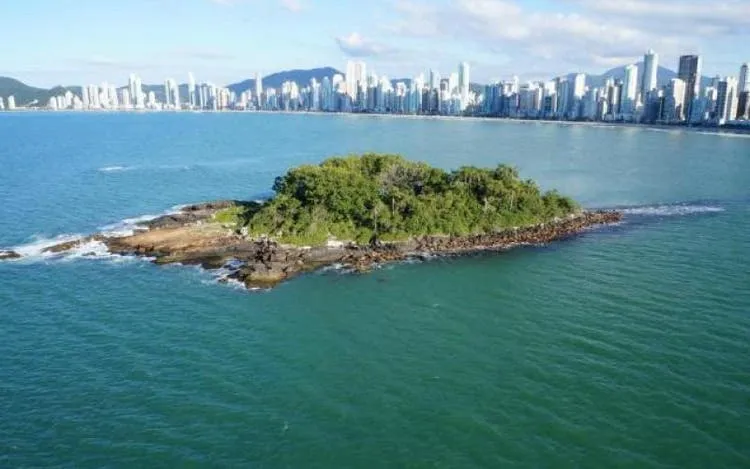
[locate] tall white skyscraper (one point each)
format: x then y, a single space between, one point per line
126 103
85 96
176 95
2 103
131 85
463 84
674 100
356 73
137 93
168 93
11 103
579 85
258 87
114 102
191 90
629 89
650 69
744 83
727 100
434 80
453 82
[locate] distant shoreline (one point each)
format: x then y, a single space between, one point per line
744 132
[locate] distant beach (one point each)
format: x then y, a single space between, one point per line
721 131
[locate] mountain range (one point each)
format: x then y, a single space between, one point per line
26 95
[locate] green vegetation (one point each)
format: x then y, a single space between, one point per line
230 216
387 198
237 215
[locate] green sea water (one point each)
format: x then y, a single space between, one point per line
627 346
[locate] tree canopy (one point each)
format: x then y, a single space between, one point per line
386 197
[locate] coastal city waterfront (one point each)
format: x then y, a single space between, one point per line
638 96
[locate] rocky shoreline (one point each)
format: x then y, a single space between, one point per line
192 237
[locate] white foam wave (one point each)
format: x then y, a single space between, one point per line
114 169
671 210
35 249
128 226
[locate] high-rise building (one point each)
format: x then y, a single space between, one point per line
650 69
137 93
126 103
94 97
258 88
191 90
629 90
176 95
2 103
727 100
132 85
114 102
464 83
743 106
168 93
689 71
326 94
577 92
744 83
85 97
579 85
562 89
356 73
674 101
453 83
11 103
434 80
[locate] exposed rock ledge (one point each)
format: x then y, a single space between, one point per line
192 238
5 255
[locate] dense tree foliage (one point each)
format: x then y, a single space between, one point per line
386 197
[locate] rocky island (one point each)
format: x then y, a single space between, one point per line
356 212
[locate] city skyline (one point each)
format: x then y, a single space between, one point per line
636 97
225 39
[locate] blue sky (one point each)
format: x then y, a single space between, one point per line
49 42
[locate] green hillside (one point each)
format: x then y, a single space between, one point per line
387 197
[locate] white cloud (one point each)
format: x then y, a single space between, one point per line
354 45
576 34
294 6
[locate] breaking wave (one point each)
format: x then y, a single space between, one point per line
671 210
36 250
114 169
128 226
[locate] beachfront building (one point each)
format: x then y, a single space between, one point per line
689 71
727 100
649 76
673 109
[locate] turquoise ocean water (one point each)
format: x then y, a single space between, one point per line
628 346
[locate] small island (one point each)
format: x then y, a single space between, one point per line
356 212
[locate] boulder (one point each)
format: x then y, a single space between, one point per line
6 255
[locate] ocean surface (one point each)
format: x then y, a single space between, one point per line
628 346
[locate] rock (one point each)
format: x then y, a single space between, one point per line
263 263
62 247
7 255
68 245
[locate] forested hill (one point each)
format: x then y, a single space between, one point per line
387 197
